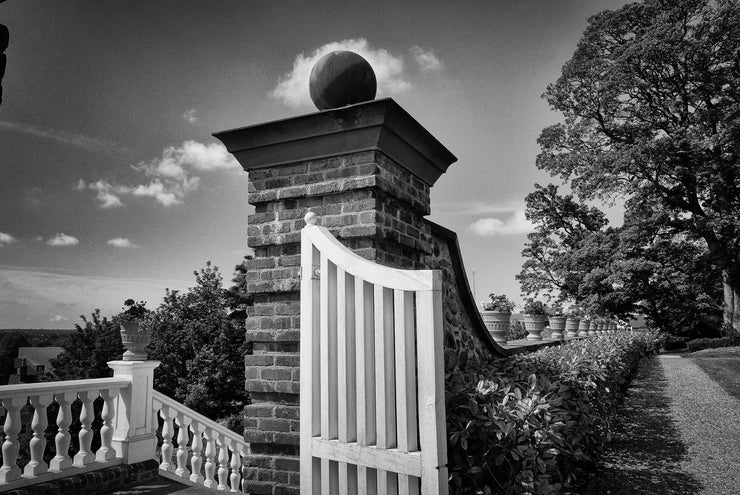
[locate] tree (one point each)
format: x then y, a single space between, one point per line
88 350
639 267
651 100
200 348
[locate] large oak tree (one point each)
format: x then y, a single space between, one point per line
651 100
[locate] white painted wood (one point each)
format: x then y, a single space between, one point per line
27 390
235 478
346 362
385 394
328 351
369 456
365 356
359 267
405 350
168 415
372 381
182 446
210 465
308 360
432 428
196 460
223 463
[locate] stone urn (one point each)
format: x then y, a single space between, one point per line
592 326
498 324
571 326
583 328
135 337
557 325
534 324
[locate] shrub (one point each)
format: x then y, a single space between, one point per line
522 424
516 331
700 344
672 342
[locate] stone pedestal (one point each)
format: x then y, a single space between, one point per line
366 171
134 428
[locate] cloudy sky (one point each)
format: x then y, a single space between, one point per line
112 187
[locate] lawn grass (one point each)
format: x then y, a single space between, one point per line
722 365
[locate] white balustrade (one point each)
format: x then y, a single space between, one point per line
39 397
216 453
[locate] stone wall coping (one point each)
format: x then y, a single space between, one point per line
380 125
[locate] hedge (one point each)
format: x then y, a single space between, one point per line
524 423
700 344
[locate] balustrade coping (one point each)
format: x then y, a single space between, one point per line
163 400
52 475
34 389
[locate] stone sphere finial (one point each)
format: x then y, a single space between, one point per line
341 78
310 218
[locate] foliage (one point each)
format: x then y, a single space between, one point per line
700 344
522 424
638 267
499 303
534 307
200 348
88 350
133 310
672 342
556 309
650 101
516 331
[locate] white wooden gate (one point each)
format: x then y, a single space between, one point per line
372 374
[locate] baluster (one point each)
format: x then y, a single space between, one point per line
196 461
10 470
106 451
210 467
223 463
87 414
64 418
182 446
167 414
37 444
236 464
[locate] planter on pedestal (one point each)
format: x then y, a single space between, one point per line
571 326
534 324
135 337
557 325
592 326
498 324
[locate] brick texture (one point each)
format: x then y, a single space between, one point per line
371 204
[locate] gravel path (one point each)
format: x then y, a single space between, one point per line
679 433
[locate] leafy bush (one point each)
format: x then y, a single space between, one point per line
700 344
672 342
516 331
522 424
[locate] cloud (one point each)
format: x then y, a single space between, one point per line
121 242
62 239
292 89
86 143
171 177
6 239
58 318
425 59
517 223
190 116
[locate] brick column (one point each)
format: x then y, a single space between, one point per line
366 171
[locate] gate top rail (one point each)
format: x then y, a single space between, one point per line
357 266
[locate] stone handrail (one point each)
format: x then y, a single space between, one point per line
40 396
220 471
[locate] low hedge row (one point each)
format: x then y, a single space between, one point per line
700 344
524 423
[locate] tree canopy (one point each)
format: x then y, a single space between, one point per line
651 101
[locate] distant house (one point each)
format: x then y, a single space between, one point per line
33 362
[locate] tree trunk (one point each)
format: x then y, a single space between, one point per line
731 306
